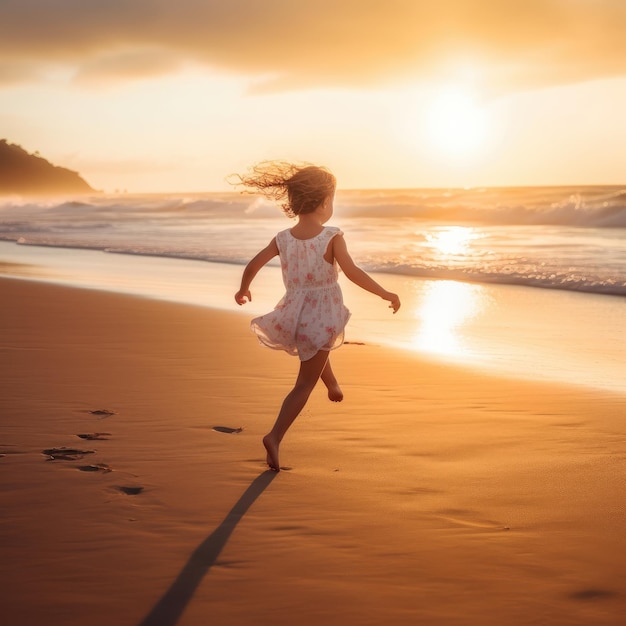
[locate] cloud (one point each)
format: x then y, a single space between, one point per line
345 43
18 72
129 65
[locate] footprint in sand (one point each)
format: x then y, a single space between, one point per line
592 594
95 467
130 491
65 454
102 412
228 430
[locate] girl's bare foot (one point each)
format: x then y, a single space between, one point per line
271 445
328 378
334 392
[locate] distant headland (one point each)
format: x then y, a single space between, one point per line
30 174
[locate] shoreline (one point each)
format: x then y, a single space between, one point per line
519 331
432 494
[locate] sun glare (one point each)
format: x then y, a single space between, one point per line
445 307
455 123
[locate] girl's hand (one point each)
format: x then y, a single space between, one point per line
394 299
243 296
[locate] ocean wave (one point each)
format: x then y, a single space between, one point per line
584 282
600 209
593 207
560 281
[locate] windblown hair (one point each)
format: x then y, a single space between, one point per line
298 189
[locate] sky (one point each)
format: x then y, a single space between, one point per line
162 96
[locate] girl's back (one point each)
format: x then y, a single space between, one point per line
302 260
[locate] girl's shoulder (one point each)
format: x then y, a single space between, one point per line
331 231
282 234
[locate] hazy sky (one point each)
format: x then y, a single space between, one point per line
156 95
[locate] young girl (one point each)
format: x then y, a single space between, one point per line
309 320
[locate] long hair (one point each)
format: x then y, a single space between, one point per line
298 189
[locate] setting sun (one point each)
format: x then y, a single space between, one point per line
456 124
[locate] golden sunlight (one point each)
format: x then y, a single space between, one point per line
452 240
456 124
446 305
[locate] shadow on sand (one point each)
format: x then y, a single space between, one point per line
168 610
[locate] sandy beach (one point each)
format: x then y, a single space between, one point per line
432 495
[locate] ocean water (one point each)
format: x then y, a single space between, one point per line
556 238
523 281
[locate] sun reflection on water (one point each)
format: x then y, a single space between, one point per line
444 308
452 240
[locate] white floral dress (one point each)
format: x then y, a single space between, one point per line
311 315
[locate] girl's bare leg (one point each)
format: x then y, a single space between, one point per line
309 374
328 377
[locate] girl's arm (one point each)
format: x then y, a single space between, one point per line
252 269
358 276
